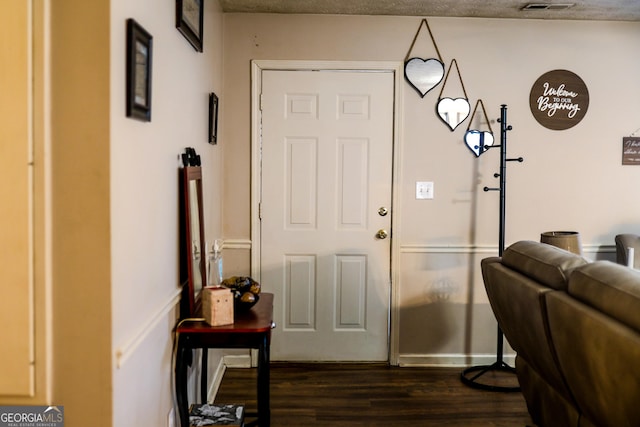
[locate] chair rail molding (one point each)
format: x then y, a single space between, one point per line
244 244
126 350
592 248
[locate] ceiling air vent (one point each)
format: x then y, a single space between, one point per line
547 6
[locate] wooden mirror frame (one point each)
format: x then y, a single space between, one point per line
193 243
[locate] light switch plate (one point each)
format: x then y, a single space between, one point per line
424 190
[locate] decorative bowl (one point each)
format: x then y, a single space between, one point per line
246 291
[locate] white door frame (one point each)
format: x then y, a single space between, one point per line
257 66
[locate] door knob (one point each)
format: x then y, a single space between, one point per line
382 234
383 211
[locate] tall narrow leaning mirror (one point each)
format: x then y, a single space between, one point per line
192 253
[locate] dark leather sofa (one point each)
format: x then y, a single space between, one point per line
575 326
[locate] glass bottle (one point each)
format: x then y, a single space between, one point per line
215 265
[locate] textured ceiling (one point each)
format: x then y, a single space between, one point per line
614 10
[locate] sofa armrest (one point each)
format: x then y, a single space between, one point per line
518 303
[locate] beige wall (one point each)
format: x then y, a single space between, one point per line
144 200
570 179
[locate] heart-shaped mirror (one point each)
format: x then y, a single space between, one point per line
423 74
453 111
478 141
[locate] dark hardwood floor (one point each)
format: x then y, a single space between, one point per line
375 395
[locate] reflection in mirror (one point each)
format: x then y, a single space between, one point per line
453 111
478 141
423 74
194 225
193 261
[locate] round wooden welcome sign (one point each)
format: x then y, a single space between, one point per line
559 99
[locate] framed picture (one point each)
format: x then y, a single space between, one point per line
139 55
213 118
630 150
189 21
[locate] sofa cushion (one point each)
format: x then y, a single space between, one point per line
595 328
598 356
546 405
610 288
544 263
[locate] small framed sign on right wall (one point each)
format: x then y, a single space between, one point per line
631 150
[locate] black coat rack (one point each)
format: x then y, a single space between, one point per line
499 364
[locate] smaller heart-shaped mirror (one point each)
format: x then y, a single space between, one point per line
423 74
478 141
453 111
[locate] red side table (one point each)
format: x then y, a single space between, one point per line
251 329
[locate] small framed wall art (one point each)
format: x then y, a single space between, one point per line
189 19
139 56
630 150
213 118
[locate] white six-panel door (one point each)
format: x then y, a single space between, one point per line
327 144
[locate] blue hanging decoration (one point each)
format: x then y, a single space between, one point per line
479 141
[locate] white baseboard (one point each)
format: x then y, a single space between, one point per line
216 381
451 360
228 361
237 360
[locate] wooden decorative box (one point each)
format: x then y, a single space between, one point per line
217 306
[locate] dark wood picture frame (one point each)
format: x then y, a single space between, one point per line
213 118
189 20
192 245
139 60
